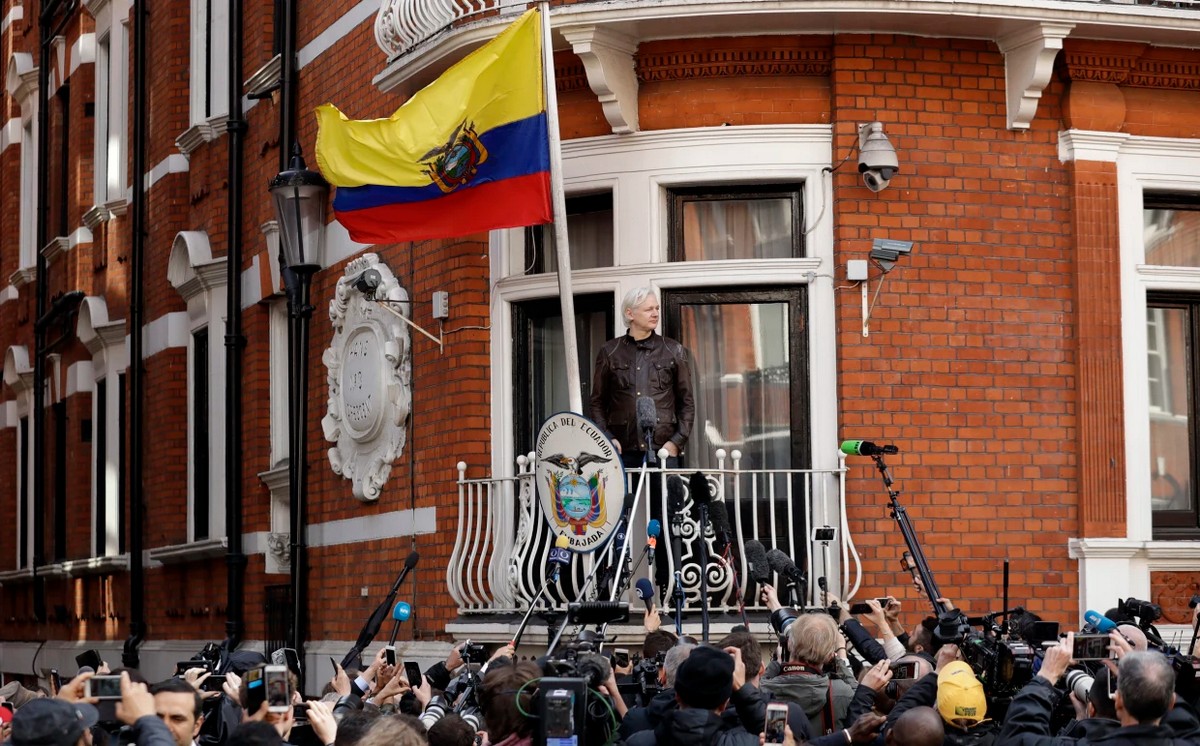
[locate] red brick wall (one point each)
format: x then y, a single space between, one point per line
969 366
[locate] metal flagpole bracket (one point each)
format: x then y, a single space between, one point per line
388 305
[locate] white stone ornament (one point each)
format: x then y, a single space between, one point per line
369 376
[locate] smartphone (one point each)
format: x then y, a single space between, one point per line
8 706
256 690
389 655
279 688
862 608
905 670
776 725
412 672
181 667
55 681
620 657
1090 648
214 683
103 687
824 533
89 658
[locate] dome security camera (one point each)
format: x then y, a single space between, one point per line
368 282
876 157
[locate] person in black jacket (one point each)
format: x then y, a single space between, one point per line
705 684
1144 700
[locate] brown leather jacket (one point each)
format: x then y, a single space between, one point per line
666 378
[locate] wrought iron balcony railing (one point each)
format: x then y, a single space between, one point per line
503 540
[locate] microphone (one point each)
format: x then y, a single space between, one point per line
647 418
560 556
653 529
623 524
645 591
866 448
782 564
757 563
411 560
400 613
1097 623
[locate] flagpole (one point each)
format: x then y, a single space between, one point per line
565 292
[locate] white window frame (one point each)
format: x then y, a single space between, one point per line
640 168
22 84
105 340
18 379
209 74
200 281
1112 567
111 140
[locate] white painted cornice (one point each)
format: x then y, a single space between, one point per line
265 78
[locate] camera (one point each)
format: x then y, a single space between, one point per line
1146 612
368 282
876 157
1080 682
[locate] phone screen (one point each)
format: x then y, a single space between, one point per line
620 658
279 695
256 690
1090 648
776 725
412 672
906 670
389 655
104 687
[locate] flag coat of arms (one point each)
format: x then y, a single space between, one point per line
466 154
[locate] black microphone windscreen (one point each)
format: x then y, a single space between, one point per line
756 559
779 561
675 496
645 589
628 506
647 415
413 558
698 486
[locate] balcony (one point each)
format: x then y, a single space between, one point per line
503 543
422 38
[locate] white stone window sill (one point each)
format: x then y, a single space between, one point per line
196 550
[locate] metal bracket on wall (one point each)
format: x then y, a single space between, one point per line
388 305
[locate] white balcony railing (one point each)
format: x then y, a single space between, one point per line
503 540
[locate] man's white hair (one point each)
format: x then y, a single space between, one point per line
633 299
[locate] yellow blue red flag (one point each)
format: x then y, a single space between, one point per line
467 153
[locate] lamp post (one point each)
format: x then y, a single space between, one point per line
299 196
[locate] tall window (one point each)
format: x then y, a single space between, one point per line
24 492
210 59
200 435
752 223
100 474
59 414
112 101
1173 336
29 190
539 370
590 234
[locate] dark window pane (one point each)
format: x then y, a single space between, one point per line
758 223
200 485
590 230
1171 336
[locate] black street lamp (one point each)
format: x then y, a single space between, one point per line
300 197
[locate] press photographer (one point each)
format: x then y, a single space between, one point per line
1143 701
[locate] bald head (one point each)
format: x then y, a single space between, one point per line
920 726
1136 636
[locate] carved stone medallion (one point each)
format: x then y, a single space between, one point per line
369 376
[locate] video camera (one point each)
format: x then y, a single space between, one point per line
567 704
645 686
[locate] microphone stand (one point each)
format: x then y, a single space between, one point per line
910 538
623 557
532 605
703 571
677 556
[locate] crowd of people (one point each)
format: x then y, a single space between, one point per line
826 677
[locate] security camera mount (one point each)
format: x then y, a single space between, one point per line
885 252
369 281
876 157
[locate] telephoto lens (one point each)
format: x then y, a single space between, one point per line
1080 682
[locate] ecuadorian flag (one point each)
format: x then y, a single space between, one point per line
466 154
